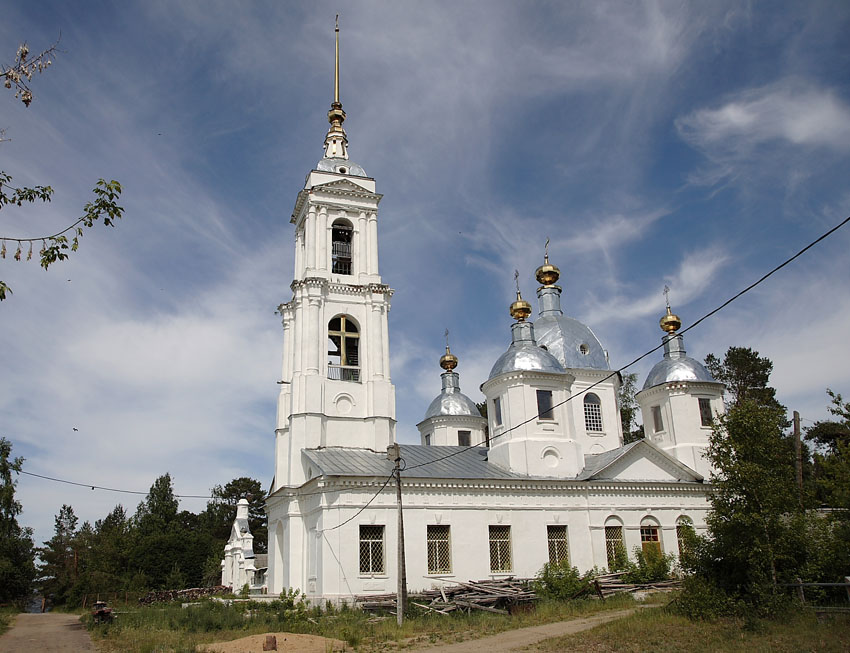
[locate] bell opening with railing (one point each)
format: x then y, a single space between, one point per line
341 236
343 350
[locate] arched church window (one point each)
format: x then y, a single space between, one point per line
650 534
592 412
615 549
341 233
343 349
684 532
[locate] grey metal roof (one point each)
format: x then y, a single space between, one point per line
676 365
338 165
451 401
465 463
567 339
523 354
594 466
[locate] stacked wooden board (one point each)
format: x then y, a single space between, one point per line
488 595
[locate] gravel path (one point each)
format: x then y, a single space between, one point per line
51 632
511 640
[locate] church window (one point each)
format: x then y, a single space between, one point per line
544 405
427 439
343 349
684 531
341 233
592 412
464 438
584 349
657 420
439 550
371 549
559 550
497 411
705 411
614 548
500 549
649 535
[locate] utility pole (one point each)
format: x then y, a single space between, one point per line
798 460
394 454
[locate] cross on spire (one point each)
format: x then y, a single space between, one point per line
666 293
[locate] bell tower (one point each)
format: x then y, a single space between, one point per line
335 382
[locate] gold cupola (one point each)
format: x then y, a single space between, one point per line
520 309
448 361
670 322
547 274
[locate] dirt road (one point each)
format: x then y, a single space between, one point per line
51 632
511 640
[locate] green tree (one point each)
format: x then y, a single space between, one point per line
104 207
60 558
629 408
831 433
746 375
17 560
221 510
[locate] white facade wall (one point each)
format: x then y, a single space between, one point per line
443 430
326 564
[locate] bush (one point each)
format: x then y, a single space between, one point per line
650 565
560 581
702 600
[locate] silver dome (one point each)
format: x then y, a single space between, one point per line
451 401
524 354
342 166
567 339
676 366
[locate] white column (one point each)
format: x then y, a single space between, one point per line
286 372
361 260
299 254
298 342
310 238
322 239
385 340
373 243
313 336
375 346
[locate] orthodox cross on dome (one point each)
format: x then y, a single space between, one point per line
546 251
336 141
520 309
666 293
447 339
449 361
670 322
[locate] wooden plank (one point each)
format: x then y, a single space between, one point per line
469 604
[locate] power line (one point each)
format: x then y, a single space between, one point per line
374 496
654 349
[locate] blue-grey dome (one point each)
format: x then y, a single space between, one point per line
455 403
525 355
567 339
343 166
676 366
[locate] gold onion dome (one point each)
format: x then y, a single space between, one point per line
448 361
547 274
520 309
670 322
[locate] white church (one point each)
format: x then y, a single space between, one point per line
545 477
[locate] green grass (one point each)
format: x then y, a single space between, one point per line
170 628
659 630
7 615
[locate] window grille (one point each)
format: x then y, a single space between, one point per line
343 349
439 550
614 546
592 412
658 421
649 537
500 549
371 549
544 405
559 550
341 232
705 411
497 411
684 528
464 438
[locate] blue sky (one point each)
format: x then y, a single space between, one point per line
690 144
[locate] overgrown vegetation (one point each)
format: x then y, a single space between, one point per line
172 628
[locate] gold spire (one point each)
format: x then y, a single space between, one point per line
448 361
670 322
547 274
520 309
336 142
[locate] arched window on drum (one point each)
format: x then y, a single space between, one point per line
343 349
592 413
341 236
